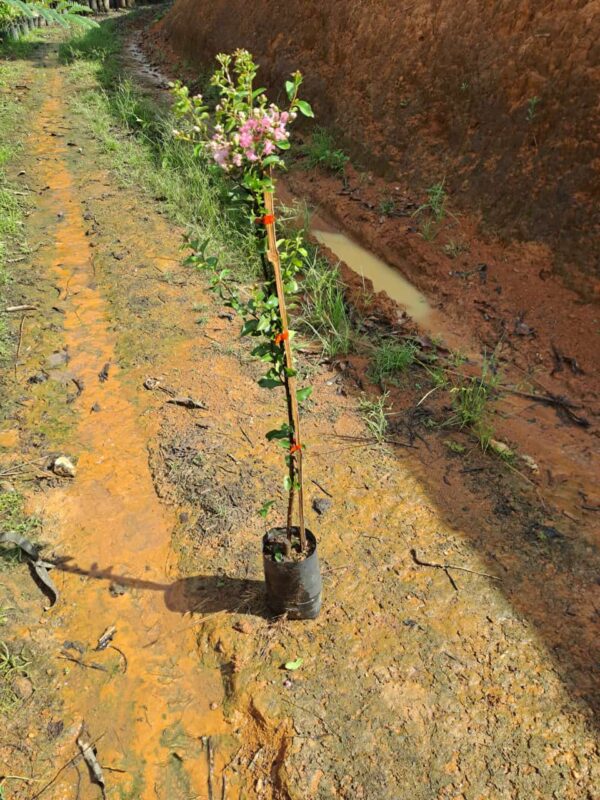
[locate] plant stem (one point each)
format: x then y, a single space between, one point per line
289 380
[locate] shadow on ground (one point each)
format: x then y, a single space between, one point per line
201 594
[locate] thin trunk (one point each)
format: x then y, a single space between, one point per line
290 382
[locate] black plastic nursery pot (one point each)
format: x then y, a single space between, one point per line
293 586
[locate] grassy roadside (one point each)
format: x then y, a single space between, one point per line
12 242
137 136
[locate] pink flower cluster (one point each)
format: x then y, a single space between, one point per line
255 138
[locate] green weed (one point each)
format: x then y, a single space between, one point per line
436 202
455 447
532 105
322 152
373 413
387 206
434 209
11 664
428 230
390 360
470 400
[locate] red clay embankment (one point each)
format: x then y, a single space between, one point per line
429 89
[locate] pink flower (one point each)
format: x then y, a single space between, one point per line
221 156
251 155
268 148
237 159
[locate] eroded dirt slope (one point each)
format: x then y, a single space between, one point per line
430 90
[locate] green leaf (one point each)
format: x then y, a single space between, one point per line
278 556
303 394
266 507
287 483
249 327
269 383
290 88
305 108
279 433
264 323
292 666
271 160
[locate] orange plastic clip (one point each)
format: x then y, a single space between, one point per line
282 337
295 448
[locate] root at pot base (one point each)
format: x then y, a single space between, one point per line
293 582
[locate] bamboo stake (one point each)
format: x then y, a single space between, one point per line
290 381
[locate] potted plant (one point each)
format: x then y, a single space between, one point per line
246 137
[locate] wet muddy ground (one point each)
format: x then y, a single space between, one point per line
478 681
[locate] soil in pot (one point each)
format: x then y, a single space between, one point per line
293 578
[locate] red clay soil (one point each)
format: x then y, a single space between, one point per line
437 89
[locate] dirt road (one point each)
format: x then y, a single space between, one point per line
412 684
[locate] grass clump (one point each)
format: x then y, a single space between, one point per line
323 312
386 207
434 211
322 152
374 416
12 664
390 360
470 403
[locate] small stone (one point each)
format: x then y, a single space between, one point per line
95 408
117 589
530 463
22 687
73 645
55 728
321 505
184 517
39 377
214 706
64 467
57 359
6 486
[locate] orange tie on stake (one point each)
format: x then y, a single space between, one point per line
295 446
268 219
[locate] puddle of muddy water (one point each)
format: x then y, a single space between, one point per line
383 277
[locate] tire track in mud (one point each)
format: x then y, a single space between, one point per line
154 697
